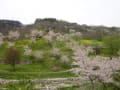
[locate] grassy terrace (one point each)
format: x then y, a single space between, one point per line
49 63
31 72
98 86
43 68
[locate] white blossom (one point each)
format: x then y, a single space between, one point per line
27 50
51 33
10 44
60 37
48 37
76 34
66 37
2 36
64 58
100 67
89 49
38 54
13 35
118 52
36 33
71 30
55 51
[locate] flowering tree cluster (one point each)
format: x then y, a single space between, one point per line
38 54
64 59
12 57
36 34
58 54
61 37
98 68
50 36
55 52
27 50
13 35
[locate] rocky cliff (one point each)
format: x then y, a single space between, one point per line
58 26
7 25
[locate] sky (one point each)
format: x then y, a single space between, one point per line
90 12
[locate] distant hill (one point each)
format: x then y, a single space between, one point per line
6 25
58 26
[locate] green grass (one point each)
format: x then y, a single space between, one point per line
3 48
91 42
34 71
34 75
30 68
39 68
40 44
25 68
28 85
23 85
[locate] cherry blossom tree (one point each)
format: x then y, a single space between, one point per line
55 52
96 69
36 34
27 50
64 59
12 57
38 54
13 35
10 44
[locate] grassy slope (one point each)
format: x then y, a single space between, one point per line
31 72
42 68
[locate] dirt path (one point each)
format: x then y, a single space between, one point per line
52 83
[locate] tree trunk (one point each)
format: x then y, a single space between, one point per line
92 83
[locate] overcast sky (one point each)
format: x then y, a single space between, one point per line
91 12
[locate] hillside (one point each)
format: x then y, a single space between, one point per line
57 55
47 24
7 25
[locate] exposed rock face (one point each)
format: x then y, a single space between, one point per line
47 24
54 24
9 23
6 25
46 19
95 32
